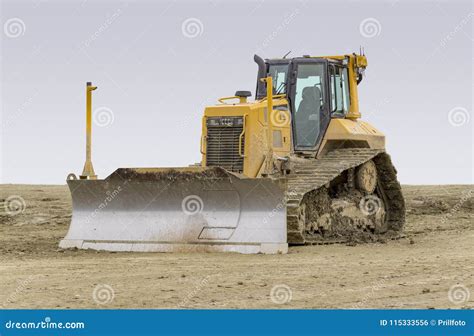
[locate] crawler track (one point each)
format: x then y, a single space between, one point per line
315 175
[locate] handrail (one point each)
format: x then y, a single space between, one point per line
221 100
241 136
269 156
203 138
279 96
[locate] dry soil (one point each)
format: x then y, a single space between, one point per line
433 267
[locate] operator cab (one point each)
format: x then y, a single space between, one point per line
317 90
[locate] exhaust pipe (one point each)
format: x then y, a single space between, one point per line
262 73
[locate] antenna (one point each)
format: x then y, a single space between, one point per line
287 54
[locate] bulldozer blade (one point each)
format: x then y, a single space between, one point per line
177 210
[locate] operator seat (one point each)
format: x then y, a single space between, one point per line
307 116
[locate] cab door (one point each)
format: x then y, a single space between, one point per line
308 92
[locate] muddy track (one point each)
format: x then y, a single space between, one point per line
387 176
313 175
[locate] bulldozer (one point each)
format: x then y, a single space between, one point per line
295 166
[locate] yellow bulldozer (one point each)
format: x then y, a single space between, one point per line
295 166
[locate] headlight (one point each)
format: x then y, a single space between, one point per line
212 122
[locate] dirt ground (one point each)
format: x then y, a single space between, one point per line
433 267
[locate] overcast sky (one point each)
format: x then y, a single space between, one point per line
158 63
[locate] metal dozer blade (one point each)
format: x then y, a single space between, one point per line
182 209
174 209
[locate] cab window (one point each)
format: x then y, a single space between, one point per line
278 73
339 90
